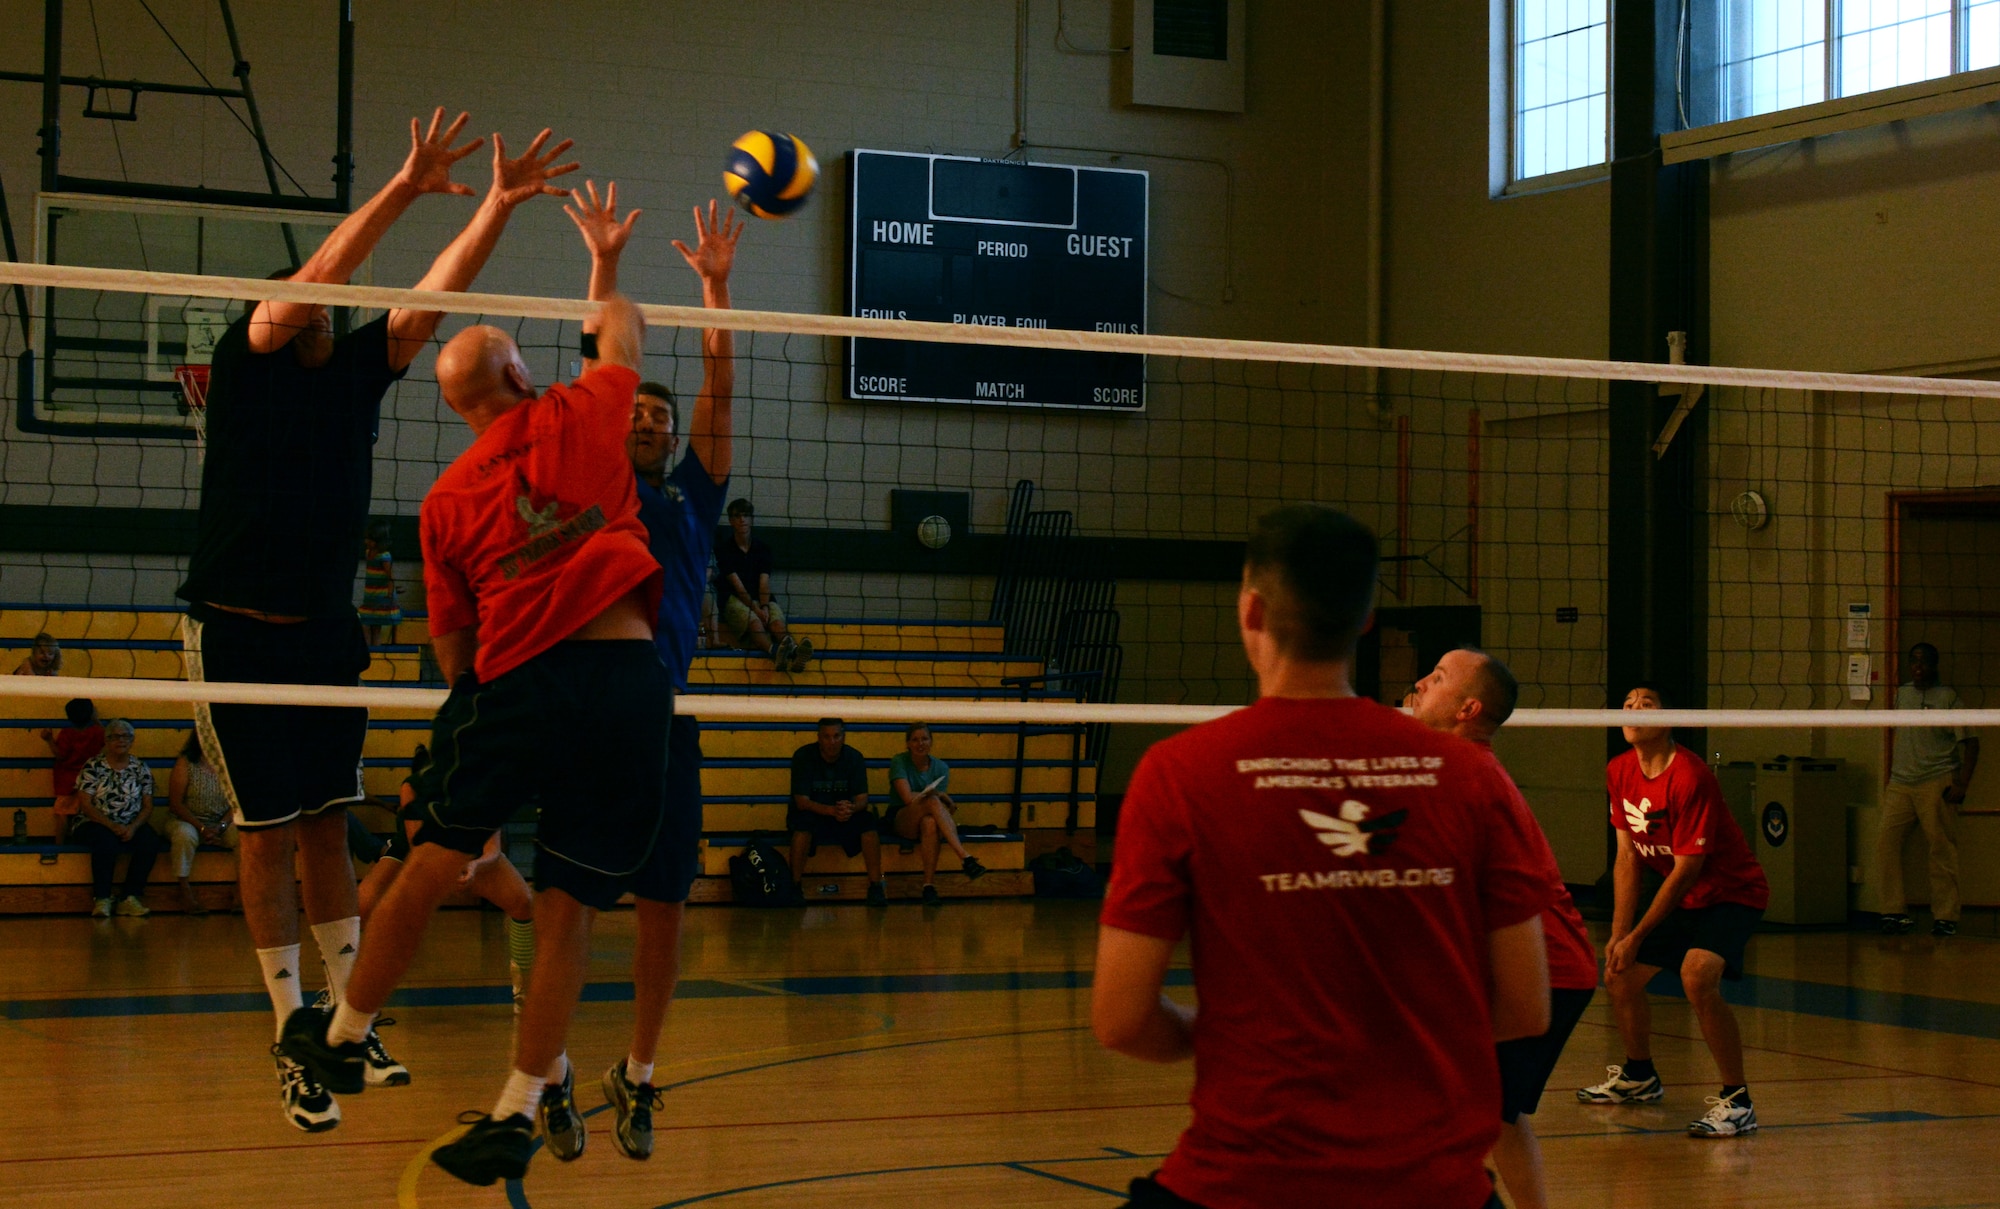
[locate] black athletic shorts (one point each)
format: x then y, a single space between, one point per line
1148 1193
580 729
669 876
1723 929
825 829
278 762
1527 1062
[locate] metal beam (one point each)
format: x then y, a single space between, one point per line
241 68
195 193
189 90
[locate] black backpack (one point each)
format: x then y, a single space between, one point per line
1061 874
760 876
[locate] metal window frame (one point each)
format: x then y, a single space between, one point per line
1516 184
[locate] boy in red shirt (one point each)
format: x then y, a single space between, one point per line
1671 819
1364 906
1471 694
542 595
72 747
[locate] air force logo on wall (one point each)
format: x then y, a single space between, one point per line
1777 824
1354 833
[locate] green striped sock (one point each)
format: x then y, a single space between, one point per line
521 944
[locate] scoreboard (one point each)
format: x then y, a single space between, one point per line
953 239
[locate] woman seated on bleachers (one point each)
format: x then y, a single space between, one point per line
199 814
115 798
72 747
919 782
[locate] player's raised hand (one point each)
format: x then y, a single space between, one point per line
715 246
517 180
603 233
428 168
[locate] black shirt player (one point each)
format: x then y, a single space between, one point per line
286 484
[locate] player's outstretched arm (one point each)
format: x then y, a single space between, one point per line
1520 959
620 332
714 254
602 233
426 170
515 181
1127 1011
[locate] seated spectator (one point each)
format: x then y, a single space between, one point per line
379 609
198 814
743 589
918 781
830 805
44 658
72 747
116 795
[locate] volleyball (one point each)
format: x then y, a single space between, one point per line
770 175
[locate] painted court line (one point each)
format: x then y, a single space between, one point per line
1926 1013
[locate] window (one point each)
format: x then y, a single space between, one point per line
1561 64
1776 54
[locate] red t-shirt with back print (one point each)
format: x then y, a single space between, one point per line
535 529
1339 868
1572 960
1681 813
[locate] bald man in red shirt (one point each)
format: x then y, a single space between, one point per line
1471 694
1364 913
543 593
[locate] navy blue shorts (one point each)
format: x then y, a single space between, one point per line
669 876
580 730
1723 929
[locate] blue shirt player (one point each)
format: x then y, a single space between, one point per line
681 509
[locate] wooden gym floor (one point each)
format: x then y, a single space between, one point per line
845 1056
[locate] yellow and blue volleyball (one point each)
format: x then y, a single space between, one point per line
770 175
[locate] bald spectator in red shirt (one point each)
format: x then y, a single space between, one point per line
543 594
1364 910
1471 694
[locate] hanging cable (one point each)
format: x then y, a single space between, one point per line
240 121
1068 47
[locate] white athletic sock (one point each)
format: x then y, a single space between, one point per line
281 979
559 1069
521 1096
348 1025
637 1072
339 941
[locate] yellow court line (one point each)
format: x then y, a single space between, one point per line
406 1187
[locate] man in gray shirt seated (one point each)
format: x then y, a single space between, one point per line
1928 776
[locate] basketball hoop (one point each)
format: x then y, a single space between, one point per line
192 398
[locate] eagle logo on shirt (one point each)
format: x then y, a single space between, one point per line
1354 833
538 520
1640 818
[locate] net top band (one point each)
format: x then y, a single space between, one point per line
574 310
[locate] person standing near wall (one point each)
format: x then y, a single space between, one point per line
1928 775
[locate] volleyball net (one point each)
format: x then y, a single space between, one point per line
1072 564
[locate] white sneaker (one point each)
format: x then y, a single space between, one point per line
133 907
101 909
1725 1118
1617 1089
378 1068
307 1104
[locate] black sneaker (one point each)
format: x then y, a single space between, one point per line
307 1105
783 652
1944 927
562 1125
973 869
878 895
931 898
1895 924
802 655
342 1068
382 1070
491 1150
633 1105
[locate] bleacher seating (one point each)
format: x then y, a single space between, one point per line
745 778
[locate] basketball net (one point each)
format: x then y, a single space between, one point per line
193 397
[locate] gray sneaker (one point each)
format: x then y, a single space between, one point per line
633 1105
562 1126
802 654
